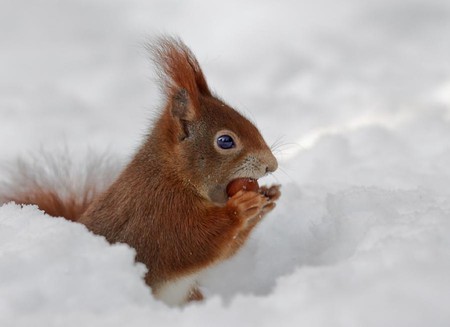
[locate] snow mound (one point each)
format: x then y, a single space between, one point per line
361 256
50 267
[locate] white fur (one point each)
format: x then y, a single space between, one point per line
176 292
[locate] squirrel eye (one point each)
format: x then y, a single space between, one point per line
225 142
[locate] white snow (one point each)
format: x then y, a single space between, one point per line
356 97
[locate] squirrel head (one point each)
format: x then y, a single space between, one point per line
206 142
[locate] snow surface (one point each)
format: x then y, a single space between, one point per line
356 97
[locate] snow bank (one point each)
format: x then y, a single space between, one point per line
50 267
355 94
361 256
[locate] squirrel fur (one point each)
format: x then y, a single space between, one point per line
170 202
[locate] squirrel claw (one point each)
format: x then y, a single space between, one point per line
273 192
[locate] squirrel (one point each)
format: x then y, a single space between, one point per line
170 202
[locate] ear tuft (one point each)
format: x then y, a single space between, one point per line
179 69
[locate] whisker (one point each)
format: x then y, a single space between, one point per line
282 170
279 148
277 143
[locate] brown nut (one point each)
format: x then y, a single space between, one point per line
246 184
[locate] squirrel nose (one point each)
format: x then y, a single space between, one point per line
271 163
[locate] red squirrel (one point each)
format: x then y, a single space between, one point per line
170 202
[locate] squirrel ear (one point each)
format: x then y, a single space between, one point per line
182 107
179 71
183 112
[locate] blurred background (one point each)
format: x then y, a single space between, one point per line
77 71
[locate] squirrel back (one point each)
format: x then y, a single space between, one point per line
170 202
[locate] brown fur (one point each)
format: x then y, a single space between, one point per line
170 202
50 202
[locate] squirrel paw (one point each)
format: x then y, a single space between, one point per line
248 205
272 192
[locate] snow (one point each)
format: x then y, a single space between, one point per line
354 95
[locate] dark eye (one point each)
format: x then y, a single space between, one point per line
225 142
